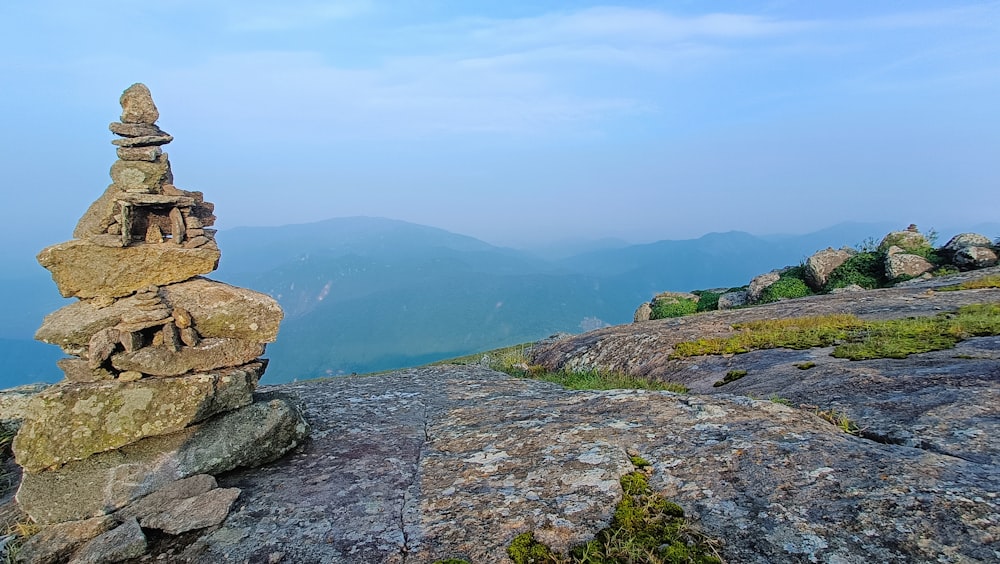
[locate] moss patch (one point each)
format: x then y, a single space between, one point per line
731 376
646 528
854 339
977 284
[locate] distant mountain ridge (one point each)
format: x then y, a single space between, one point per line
366 294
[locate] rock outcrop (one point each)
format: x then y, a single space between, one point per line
822 263
160 384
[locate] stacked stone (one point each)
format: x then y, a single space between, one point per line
163 363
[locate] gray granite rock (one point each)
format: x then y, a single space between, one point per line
819 266
453 462
760 283
122 543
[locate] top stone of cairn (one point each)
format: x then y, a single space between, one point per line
137 105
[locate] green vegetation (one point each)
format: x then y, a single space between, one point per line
775 398
645 528
866 269
977 284
452 561
854 339
840 420
638 461
514 361
805 365
676 307
524 549
731 376
787 287
708 301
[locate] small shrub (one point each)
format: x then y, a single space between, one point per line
840 419
786 287
865 269
709 300
945 270
679 307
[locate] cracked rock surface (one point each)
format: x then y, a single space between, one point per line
454 461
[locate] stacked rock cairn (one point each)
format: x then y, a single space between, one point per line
158 395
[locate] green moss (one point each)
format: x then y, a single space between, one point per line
524 549
638 461
778 399
646 527
598 380
855 339
805 365
731 376
675 307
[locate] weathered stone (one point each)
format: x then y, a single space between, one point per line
14 401
848 288
196 242
85 270
72 421
137 105
153 235
172 340
216 309
642 313
101 345
246 437
190 337
177 226
145 141
55 543
760 283
135 129
182 317
130 376
131 340
819 266
100 215
79 370
963 240
193 222
198 512
903 264
674 297
210 354
119 544
221 310
968 258
149 153
908 240
166 496
140 176
730 300
196 233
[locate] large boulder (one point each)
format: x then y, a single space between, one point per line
909 240
899 263
84 269
642 313
963 240
246 437
970 258
760 283
72 421
729 300
819 266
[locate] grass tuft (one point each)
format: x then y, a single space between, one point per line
977 284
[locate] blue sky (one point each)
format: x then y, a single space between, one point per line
515 122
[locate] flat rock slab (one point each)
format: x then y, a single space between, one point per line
71 421
86 270
453 462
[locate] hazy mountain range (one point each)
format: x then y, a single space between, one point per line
368 294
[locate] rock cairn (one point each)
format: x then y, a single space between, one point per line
159 385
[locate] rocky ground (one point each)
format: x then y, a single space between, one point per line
454 461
